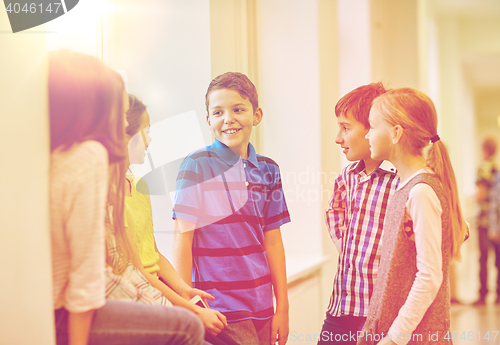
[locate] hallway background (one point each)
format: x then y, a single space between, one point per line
302 56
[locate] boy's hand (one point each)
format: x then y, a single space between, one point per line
279 328
213 320
495 238
197 292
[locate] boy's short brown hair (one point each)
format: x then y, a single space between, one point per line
489 146
359 101
237 82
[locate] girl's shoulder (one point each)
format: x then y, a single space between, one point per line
424 175
424 196
92 150
89 149
80 158
422 190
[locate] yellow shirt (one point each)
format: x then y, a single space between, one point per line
139 223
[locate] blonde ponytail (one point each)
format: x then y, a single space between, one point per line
439 161
415 112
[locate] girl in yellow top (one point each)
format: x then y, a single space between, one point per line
139 222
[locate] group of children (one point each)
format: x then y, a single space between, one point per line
396 234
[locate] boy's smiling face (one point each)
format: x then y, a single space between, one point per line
351 137
231 118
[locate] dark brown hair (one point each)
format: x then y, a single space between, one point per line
237 82
359 101
85 103
134 115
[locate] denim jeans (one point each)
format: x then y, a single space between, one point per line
340 330
250 332
484 247
497 264
131 323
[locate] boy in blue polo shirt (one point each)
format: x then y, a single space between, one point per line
228 209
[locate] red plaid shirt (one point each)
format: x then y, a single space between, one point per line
356 217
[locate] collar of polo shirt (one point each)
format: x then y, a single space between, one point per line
228 155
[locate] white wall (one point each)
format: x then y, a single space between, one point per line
453 111
78 29
355 55
26 312
291 124
457 131
394 46
330 152
164 49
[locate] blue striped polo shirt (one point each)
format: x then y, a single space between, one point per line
232 201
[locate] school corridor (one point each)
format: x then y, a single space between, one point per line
475 324
302 55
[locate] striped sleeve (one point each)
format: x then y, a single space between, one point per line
84 228
494 208
335 214
188 197
275 210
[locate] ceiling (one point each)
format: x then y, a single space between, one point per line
482 71
468 7
482 66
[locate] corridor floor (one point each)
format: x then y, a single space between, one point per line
469 324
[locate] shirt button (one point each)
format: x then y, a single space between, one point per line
244 165
246 183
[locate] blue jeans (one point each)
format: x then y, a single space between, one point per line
250 332
340 330
484 247
131 323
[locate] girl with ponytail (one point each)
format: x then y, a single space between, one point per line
423 228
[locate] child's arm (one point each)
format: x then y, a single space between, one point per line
335 214
183 248
494 209
276 257
85 231
213 320
170 276
425 211
79 325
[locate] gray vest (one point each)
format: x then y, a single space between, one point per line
397 272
